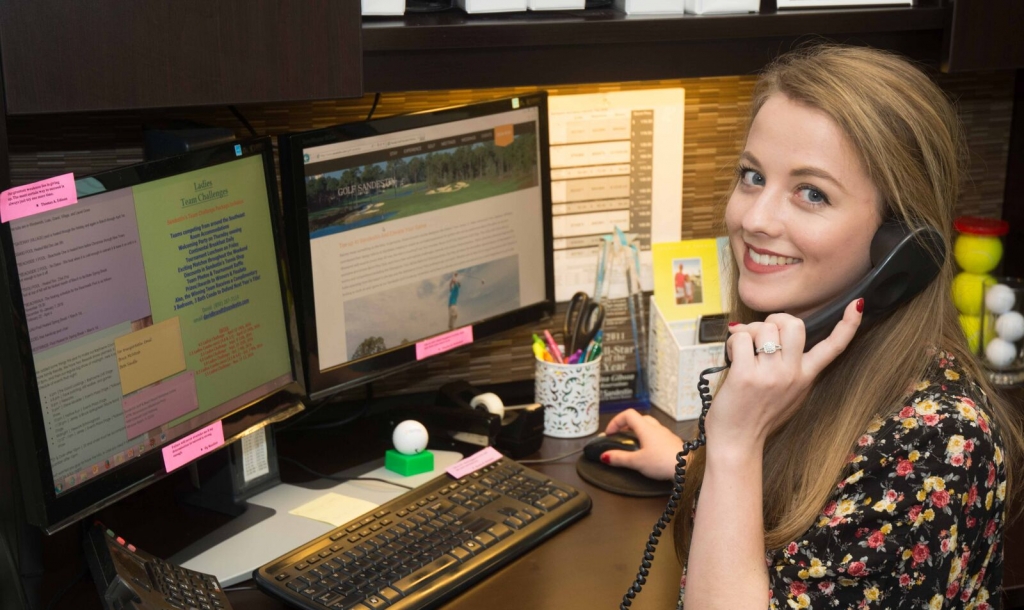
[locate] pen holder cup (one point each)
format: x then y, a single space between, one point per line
570 394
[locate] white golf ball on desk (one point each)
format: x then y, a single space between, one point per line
410 437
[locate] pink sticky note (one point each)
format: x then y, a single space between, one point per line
487 455
443 343
42 196
193 446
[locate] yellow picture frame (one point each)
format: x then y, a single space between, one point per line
687 282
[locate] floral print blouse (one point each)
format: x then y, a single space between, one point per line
917 520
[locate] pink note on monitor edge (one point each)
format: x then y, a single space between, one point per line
43 196
445 342
193 446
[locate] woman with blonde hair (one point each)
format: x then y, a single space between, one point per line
873 470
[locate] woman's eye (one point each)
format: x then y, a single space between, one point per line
813 195
751 177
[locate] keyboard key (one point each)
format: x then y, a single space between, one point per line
327 598
425 574
485 539
376 602
390 594
547 502
348 600
499 531
514 523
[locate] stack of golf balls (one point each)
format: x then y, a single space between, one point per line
1001 351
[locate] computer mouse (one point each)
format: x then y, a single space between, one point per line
601 443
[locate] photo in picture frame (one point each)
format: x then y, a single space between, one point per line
687 281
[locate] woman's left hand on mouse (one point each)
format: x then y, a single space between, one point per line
764 388
656 458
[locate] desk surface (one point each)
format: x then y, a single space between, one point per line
589 564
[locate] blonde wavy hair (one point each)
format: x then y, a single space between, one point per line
908 136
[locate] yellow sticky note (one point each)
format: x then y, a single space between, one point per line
149 355
333 508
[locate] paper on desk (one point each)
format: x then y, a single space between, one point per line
616 160
333 508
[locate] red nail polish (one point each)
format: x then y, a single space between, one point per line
860 305
731 324
605 459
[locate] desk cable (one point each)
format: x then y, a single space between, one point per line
74 581
335 477
553 459
241 118
677 489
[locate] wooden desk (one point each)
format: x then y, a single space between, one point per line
588 565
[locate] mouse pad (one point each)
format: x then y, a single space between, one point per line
622 481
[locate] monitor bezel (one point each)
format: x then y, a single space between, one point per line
323 384
43 506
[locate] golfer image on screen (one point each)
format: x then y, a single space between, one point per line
453 297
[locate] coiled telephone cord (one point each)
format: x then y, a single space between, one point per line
703 387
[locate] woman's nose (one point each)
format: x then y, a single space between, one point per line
765 213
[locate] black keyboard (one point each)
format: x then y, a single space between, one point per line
428 544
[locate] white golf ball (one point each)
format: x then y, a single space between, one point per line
1000 353
999 298
410 437
1010 326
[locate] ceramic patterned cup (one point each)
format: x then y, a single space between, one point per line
570 394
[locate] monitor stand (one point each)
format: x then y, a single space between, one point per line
268 529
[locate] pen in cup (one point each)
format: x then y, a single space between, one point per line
594 349
553 347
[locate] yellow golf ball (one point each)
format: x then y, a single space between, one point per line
969 292
976 253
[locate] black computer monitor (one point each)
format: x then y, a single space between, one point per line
417 233
150 309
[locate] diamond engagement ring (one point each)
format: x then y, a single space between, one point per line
769 347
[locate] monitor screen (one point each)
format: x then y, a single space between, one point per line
150 309
417 233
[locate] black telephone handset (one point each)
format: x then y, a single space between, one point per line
904 262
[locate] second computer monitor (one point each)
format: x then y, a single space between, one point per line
417 233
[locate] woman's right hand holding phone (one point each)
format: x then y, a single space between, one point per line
765 386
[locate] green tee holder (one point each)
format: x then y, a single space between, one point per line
408 465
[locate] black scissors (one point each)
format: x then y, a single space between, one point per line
582 321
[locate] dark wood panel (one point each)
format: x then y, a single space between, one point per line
985 35
1013 200
446 67
116 54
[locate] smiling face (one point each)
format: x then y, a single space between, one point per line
803 211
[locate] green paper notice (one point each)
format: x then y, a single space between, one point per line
223 284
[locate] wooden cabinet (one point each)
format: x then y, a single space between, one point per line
61 56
